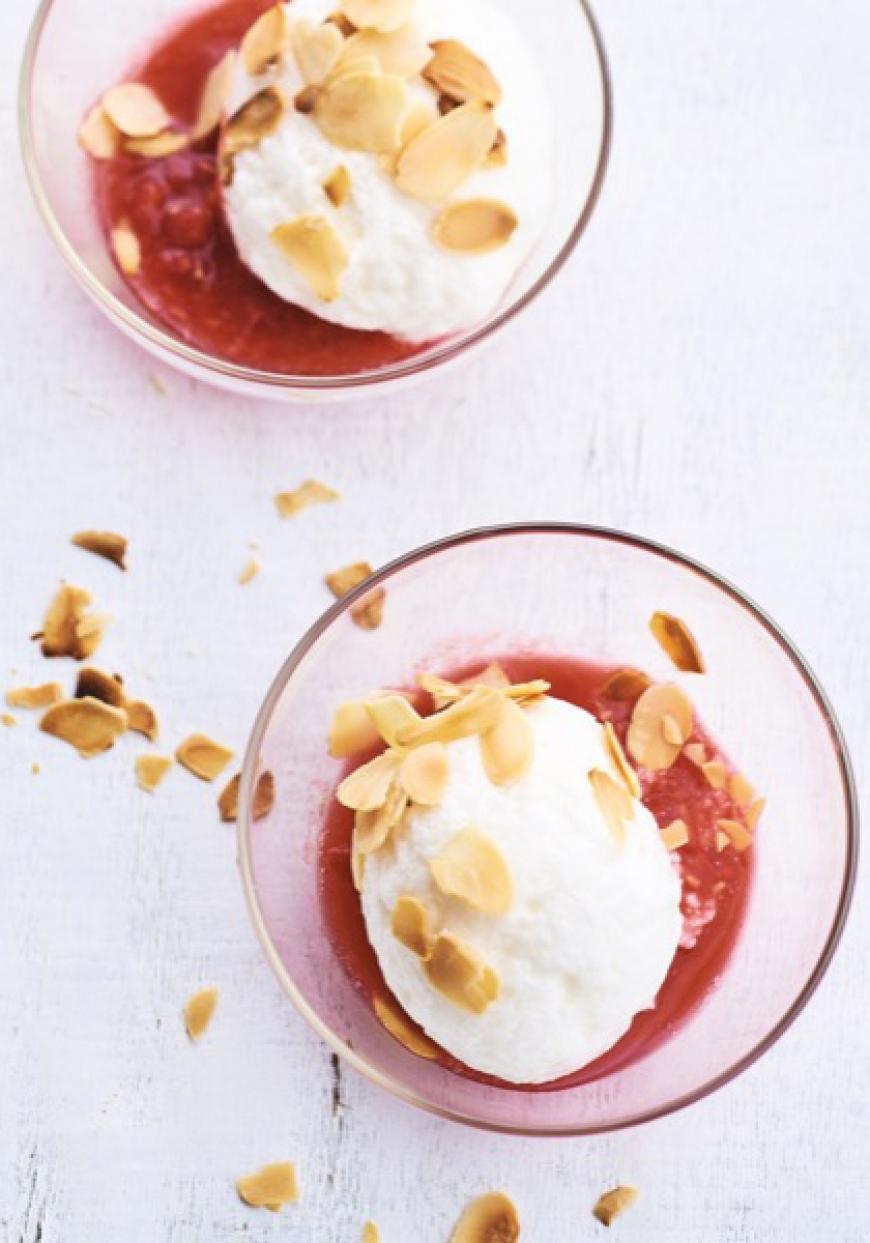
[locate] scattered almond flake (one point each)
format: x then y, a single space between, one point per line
141 718
151 769
753 812
614 802
625 685
266 41
438 161
199 1011
507 748
460 975
271 1187
671 731
264 797
103 544
314 248
424 774
8 720
403 51
696 753
493 675
475 226
619 760
390 714
125 245
474 714
203 757
311 492
716 774
410 925
646 741
443 692
675 835
215 97
722 840
366 788
61 633
491 1218
341 582
372 829
344 24
741 790
35 696
316 48
169 142
247 127
418 117
89 630
98 136
383 15
363 111
401 1029
369 613
737 833
89 725
135 110
250 571
95 684
370 1233
472 867
337 186
614 1202
456 72
498 152
351 730
677 642
305 101
355 64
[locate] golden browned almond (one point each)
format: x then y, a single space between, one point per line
372 829
443 692
625 685
363 111
492 675
311 492
337 186
305 100
271 1187
370 1233
716 774
390 714
737 833
456 72
400 1028
741 790
89 630
472 867
474 714
672 731
351 730
489 1219
646 739
313 247
151 769
403 51
498 152
141 718
440 159
8 720
341 582
753 812
424 774
264 797
266 41
614 802
382 15
104 544
199 1011
169 142
507 748
410 925
460 975
249 572
215 97
135 110
203 757
618 759
62 630
35 696
89 725
675 835
98 136
127 250
355 64
677 642
696 753
344 24
247 127
475 226
96 684
614 1202
369 613
418 117
366 788
316 48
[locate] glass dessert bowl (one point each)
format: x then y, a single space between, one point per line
283 249
762 898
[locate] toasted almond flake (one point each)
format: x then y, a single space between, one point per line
507 748
741 790
8 720
341 582
403 51
646 740
89 630
199 1011
249 572
215 97
89 725
369 613
370 1233
264 797
619 760
125 245
490 1218
363 111
35 696
401 1029
737 833
271 1187
61 633
203 757
696 753
311 492
141 718
103 544
443 692
625 685
356 64
316 48
475 226
675 835
671 731
474 714
614 1202
151 769
351 730
135 110
460 975
337 186
373 829
313 247
169 142
305 101
456 72
722 840
98 136
344 24
96 684
438 161
266 41
614 802
677 642
390 714
424 774
418 117
753 812
410 925
472 867
498 152
716 774
255 120
493 675
366 788
383 15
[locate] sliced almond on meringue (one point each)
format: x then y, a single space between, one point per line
646 737
410 925
366 788
170 142
614 802
135 110
491 1218
474 714
507 748
716 774
472 867
403 51
439 160
424 774
373 829
215 97
337 186
383 15
737 833
619 760
255 120
89 725
351 730
313 247
677 641
271 1187
455 71
675 835
125 245
199 1012
475 226
363 111
390 714
266 41
98 135
626 685
461 975
316 48
401 1029
614 1202
203 757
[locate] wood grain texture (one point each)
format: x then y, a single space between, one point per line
699 374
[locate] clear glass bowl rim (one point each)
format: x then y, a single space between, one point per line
477 535
188 356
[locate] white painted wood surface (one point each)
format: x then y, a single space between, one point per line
700 375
